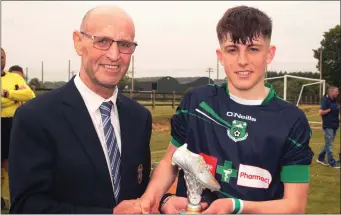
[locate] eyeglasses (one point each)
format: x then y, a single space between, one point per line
104 43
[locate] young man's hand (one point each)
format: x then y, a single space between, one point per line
175 204
220 206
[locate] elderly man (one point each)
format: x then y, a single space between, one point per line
330 123
76 152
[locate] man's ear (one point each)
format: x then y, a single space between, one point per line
271 54
220 56
77 42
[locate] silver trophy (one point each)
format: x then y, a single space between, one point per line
197 177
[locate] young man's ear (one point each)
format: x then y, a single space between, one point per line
77 42
220 56
271 54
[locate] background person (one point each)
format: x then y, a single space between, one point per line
17 69
330 123
14 90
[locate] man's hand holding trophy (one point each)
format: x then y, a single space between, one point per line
197 177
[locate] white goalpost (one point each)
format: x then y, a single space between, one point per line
285 77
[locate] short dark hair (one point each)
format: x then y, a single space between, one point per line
243 24
16 68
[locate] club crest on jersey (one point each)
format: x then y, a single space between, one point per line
238 131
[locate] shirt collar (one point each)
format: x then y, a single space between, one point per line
91 99
269 97
331 99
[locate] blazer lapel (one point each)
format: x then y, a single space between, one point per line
78 117
126 129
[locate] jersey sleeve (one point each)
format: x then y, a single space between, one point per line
24 94
179 122
297 154
324 104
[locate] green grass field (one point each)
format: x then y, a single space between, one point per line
324 194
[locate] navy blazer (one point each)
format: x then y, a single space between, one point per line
56 161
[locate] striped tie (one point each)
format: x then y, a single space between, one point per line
111 141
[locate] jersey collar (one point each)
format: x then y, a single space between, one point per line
332 100
269 97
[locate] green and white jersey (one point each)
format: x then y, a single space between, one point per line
252 150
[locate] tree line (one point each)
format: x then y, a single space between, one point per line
293 85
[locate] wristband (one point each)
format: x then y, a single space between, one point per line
237 206
164 200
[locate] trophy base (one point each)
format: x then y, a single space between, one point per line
191 210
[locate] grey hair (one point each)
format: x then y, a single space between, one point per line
332 88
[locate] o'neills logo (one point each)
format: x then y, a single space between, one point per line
240 116
256 177
252 176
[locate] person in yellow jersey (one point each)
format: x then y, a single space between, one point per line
14 91
18 70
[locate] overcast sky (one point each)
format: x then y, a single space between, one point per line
175 38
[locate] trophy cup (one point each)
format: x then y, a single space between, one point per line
197 177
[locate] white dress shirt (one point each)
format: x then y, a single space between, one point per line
93 102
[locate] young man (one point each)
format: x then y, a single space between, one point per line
256 144
330 123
